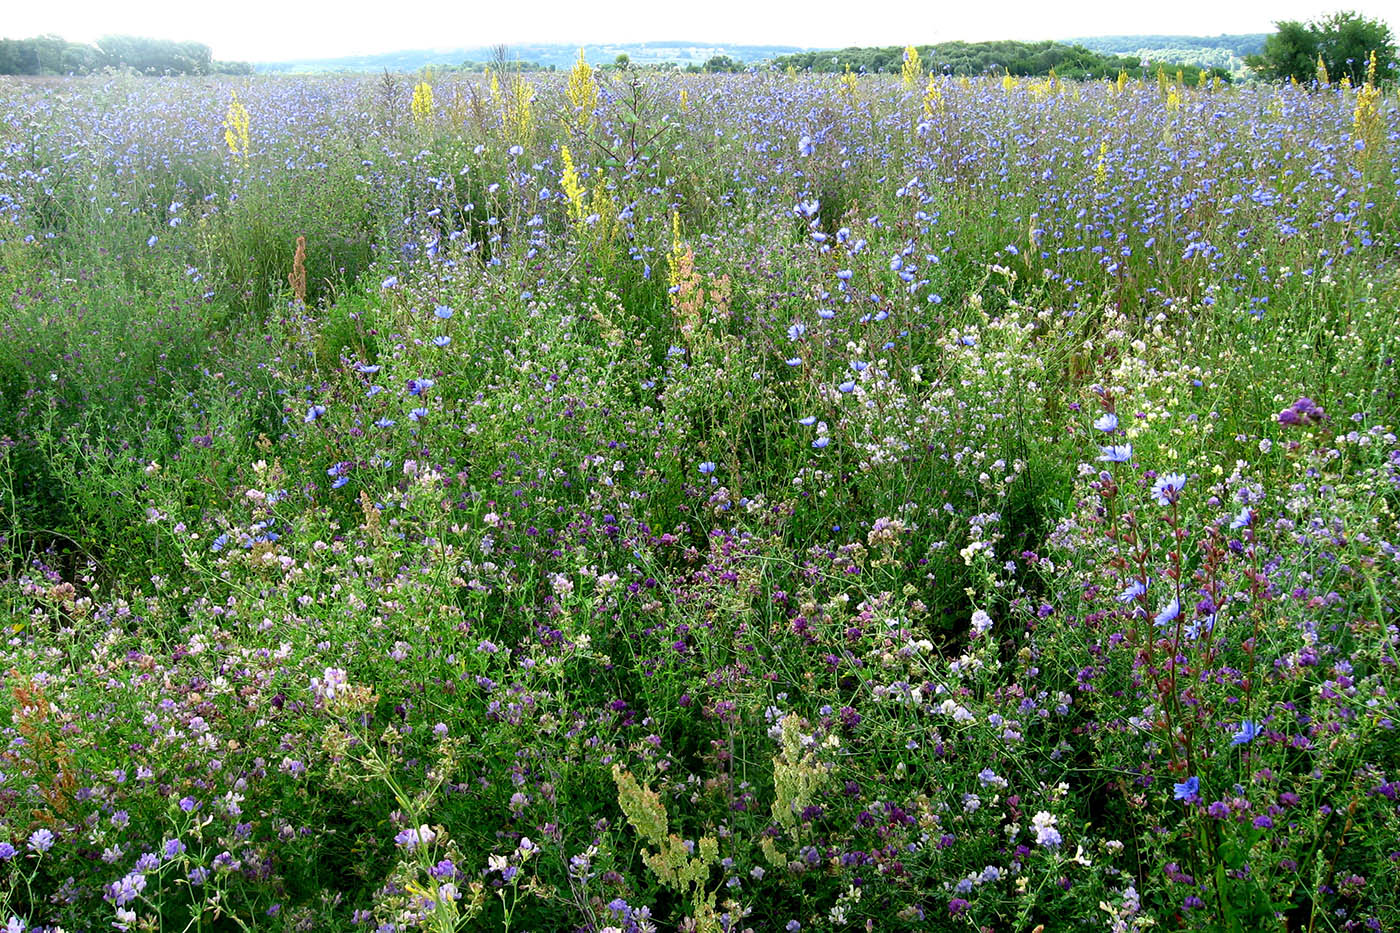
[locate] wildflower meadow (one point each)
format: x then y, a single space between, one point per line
629 501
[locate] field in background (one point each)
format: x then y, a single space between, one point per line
629 502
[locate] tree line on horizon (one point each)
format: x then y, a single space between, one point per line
53 55
1329 48
1021 59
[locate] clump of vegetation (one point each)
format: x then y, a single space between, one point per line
633 501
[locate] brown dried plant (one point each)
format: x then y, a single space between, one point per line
297 277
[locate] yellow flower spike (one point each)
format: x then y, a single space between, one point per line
236 128
933 97
913 69
582 92
685 100
573 188
848 84
494 84
1368 122
422 104
1323 79
522 115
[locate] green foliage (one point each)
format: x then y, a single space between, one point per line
1344 41
51 55
977 58
757 549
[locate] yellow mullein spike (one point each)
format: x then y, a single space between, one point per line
848 84
606 208
1101 167
933 97
1122 80
1323 79
1371 69
522 113
573 187
583 93
494 83
913 70
1368 124
422 104
1008 83
236 127
792 71
1201 79
685 100
1173 99
1180 78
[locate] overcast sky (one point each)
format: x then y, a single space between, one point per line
270 30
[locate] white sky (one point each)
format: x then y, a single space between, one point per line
270 30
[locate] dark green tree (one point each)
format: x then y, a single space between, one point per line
1344 41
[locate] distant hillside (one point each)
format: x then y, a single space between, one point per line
1226 52
542 55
